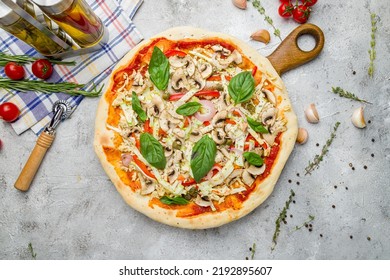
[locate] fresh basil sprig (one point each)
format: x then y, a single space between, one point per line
241 87
136 105
253 158
256 126
203 157
188 109
159 69
152 151
174 200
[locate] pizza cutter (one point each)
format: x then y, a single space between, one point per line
62 110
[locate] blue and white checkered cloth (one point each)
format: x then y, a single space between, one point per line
91 68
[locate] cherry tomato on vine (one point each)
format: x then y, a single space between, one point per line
285 10
309 3
42 69
9 112
14 71
301 14
285 1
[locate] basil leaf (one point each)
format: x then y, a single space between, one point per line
159 69
188 109
241 87
152 151
203 157
253 159
256 126
174 200
136 105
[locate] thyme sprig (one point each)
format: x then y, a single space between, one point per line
318 158
347 94
48 88
253 251
24 59
311 218
372 51
257 4
31 250
280 218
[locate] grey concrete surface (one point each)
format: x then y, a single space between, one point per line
72 211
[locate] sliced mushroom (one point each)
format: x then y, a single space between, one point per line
270 96
179 80
219 48
224 63
198 81
256 170
218 135
164 121
177 61
269 116
195 136
203 203
172 175
179 132
168 150
183 62
235 175
139 84
219 118
147 185
157 106
248 178
205 70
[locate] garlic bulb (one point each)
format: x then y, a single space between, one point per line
261 35
358 118
241 4
312 114
302 136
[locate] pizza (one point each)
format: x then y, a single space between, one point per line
194 128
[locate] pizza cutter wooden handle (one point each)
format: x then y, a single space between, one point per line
34 161
288 55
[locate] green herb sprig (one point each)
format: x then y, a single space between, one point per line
48 88
25 59
372 51
347 94
280 218
31 250
311 218
253 250
260 8
318 158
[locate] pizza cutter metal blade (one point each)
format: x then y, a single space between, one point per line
62 110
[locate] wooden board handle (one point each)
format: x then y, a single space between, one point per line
288 55
34 161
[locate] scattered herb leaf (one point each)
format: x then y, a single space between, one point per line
372 51
253 159
152 151
47 88
347 94
136 105
159 69
318 158
241 87
188 109
253 251
260 8
280 218
31 250
178 200
311 218
256 126
203 157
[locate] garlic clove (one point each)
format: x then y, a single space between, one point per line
312 114
261 35
358 118
241 4
302 136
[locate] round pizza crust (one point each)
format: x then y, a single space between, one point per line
103 137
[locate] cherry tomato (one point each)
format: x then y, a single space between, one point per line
9 112
285 1
285 10
42 69
14 71
301 14
309 3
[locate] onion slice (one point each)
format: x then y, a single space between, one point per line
126 159
207 111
